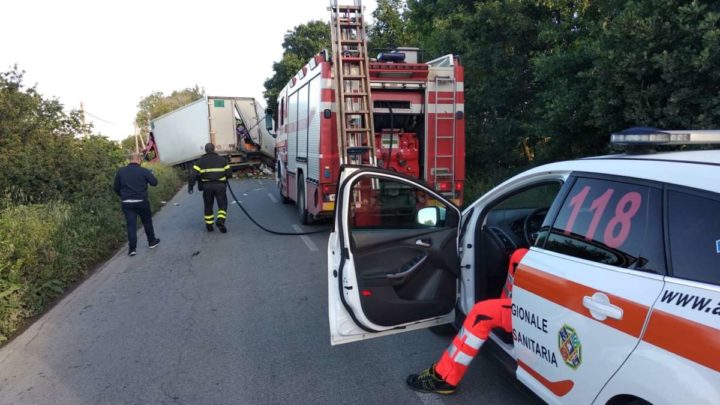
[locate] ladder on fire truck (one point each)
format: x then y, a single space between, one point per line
356 138
444 149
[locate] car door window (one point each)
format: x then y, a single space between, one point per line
612 222
694 232
509 222
518 217
381 203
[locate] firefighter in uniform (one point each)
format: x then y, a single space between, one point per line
444 376
212 173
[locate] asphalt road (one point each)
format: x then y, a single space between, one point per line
211 318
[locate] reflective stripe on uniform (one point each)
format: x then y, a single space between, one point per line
197 168
209 219
471 340
467 339
222 214
463 359
214 170
452 350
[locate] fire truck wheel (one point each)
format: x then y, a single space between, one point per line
305 217
278 182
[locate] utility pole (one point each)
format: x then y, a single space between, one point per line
137 148
82 118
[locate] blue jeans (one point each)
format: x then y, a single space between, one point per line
132 211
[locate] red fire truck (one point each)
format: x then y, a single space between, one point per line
417 120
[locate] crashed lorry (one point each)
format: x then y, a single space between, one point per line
233 124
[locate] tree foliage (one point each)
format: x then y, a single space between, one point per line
41 152
616 64
58 213
548 80
299 46
390 28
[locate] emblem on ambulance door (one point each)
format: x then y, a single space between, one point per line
570 347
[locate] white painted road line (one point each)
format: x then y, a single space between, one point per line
309 243
272 198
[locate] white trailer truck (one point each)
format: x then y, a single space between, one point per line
234 124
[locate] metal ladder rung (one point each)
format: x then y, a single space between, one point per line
349 49
445 138
344 8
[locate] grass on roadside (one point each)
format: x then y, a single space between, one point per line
44 248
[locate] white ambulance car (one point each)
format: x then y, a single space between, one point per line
617 301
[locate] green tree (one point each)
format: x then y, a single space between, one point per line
616 64
299 45
128 143
390 29
157 104
496 40
38 145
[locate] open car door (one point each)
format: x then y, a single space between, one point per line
392 256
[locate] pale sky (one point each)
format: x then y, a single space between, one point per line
109 55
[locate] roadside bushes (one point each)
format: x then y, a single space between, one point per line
46 247
169 181
58 213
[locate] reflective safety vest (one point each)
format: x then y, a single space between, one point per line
211 167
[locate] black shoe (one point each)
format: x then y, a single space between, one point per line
221 226
428 381
131 253
154 243
209 227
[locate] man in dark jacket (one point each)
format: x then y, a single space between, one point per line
131 184
212 173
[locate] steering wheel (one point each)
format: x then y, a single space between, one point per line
527 224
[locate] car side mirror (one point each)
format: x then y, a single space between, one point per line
428 216
269 121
